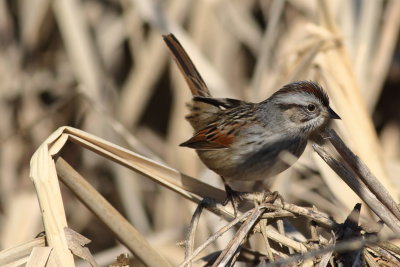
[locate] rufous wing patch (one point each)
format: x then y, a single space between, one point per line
210 138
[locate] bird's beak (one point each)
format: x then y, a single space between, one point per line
332 114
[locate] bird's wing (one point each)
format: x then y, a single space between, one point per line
219 102
211 137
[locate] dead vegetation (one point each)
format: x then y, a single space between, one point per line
101 66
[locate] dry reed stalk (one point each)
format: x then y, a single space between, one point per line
365 174
132 200
326 45
183 159
55 143
326 38
267 42
349 245
381 59
33 24
360 189
238 20
20 253
151 61
124 231
227 257
80 48
368 25
344 91
159 173
105 257
341 191
48 192
179 129
116 154
23 207
39 256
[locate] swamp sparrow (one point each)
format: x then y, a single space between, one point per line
241 140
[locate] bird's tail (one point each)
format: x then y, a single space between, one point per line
193 78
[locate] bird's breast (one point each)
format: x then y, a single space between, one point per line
254 161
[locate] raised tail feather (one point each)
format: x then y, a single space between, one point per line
193 78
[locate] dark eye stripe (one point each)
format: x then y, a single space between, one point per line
288 106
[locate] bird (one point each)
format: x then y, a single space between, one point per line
243 141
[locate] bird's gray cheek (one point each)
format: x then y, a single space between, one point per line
298 118
289 115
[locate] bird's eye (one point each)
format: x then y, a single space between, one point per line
311 107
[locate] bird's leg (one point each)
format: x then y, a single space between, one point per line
231 196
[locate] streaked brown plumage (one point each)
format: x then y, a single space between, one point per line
241 140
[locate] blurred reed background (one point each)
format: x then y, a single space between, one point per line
103 67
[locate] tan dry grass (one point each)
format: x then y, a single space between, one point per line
100 58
